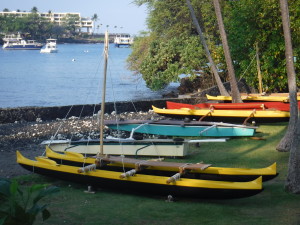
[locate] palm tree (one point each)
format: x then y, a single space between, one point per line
211 62
236 96
291 140
34 9
286 141
98 27
94 19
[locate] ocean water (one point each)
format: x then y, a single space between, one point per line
72 76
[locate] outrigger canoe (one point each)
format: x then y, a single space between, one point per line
183 128
270 98
147 147
176 185
226 115
139 182
282 106
194 170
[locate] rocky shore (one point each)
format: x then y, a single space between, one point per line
26 136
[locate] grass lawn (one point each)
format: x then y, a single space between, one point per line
272 206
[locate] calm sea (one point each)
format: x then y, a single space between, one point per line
74 75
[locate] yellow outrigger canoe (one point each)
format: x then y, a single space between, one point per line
205 172
268 115
139 182
253 97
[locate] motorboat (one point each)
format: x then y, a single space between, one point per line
50 46
18 43
123 40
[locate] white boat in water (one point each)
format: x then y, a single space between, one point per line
18 43
123 40
50 46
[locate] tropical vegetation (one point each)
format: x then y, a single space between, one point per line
172 47
39 28
21 206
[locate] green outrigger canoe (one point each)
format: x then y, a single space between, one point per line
183 128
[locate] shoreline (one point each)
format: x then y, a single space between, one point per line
10 115
33 113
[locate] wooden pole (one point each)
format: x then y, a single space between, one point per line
258 69
103 91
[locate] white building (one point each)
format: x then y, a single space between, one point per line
58 18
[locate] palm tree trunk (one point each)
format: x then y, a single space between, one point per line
291 140
236 96
221 87
286 141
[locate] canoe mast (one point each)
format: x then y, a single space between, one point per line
103 92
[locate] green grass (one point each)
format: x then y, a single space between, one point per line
272 206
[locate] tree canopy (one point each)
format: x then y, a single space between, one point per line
37 27
171 47
261 23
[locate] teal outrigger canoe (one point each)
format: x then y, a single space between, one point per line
183 128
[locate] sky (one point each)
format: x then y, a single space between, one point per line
127 17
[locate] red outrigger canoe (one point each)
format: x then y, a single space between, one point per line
282 106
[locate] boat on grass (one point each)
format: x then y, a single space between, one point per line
196 170
231 115
250 97
50 46
146 147
184 128
175 185
282 106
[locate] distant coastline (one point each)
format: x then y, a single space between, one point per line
92 39
81 41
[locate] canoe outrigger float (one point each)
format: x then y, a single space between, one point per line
199 170
136 181
269 98
226 115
